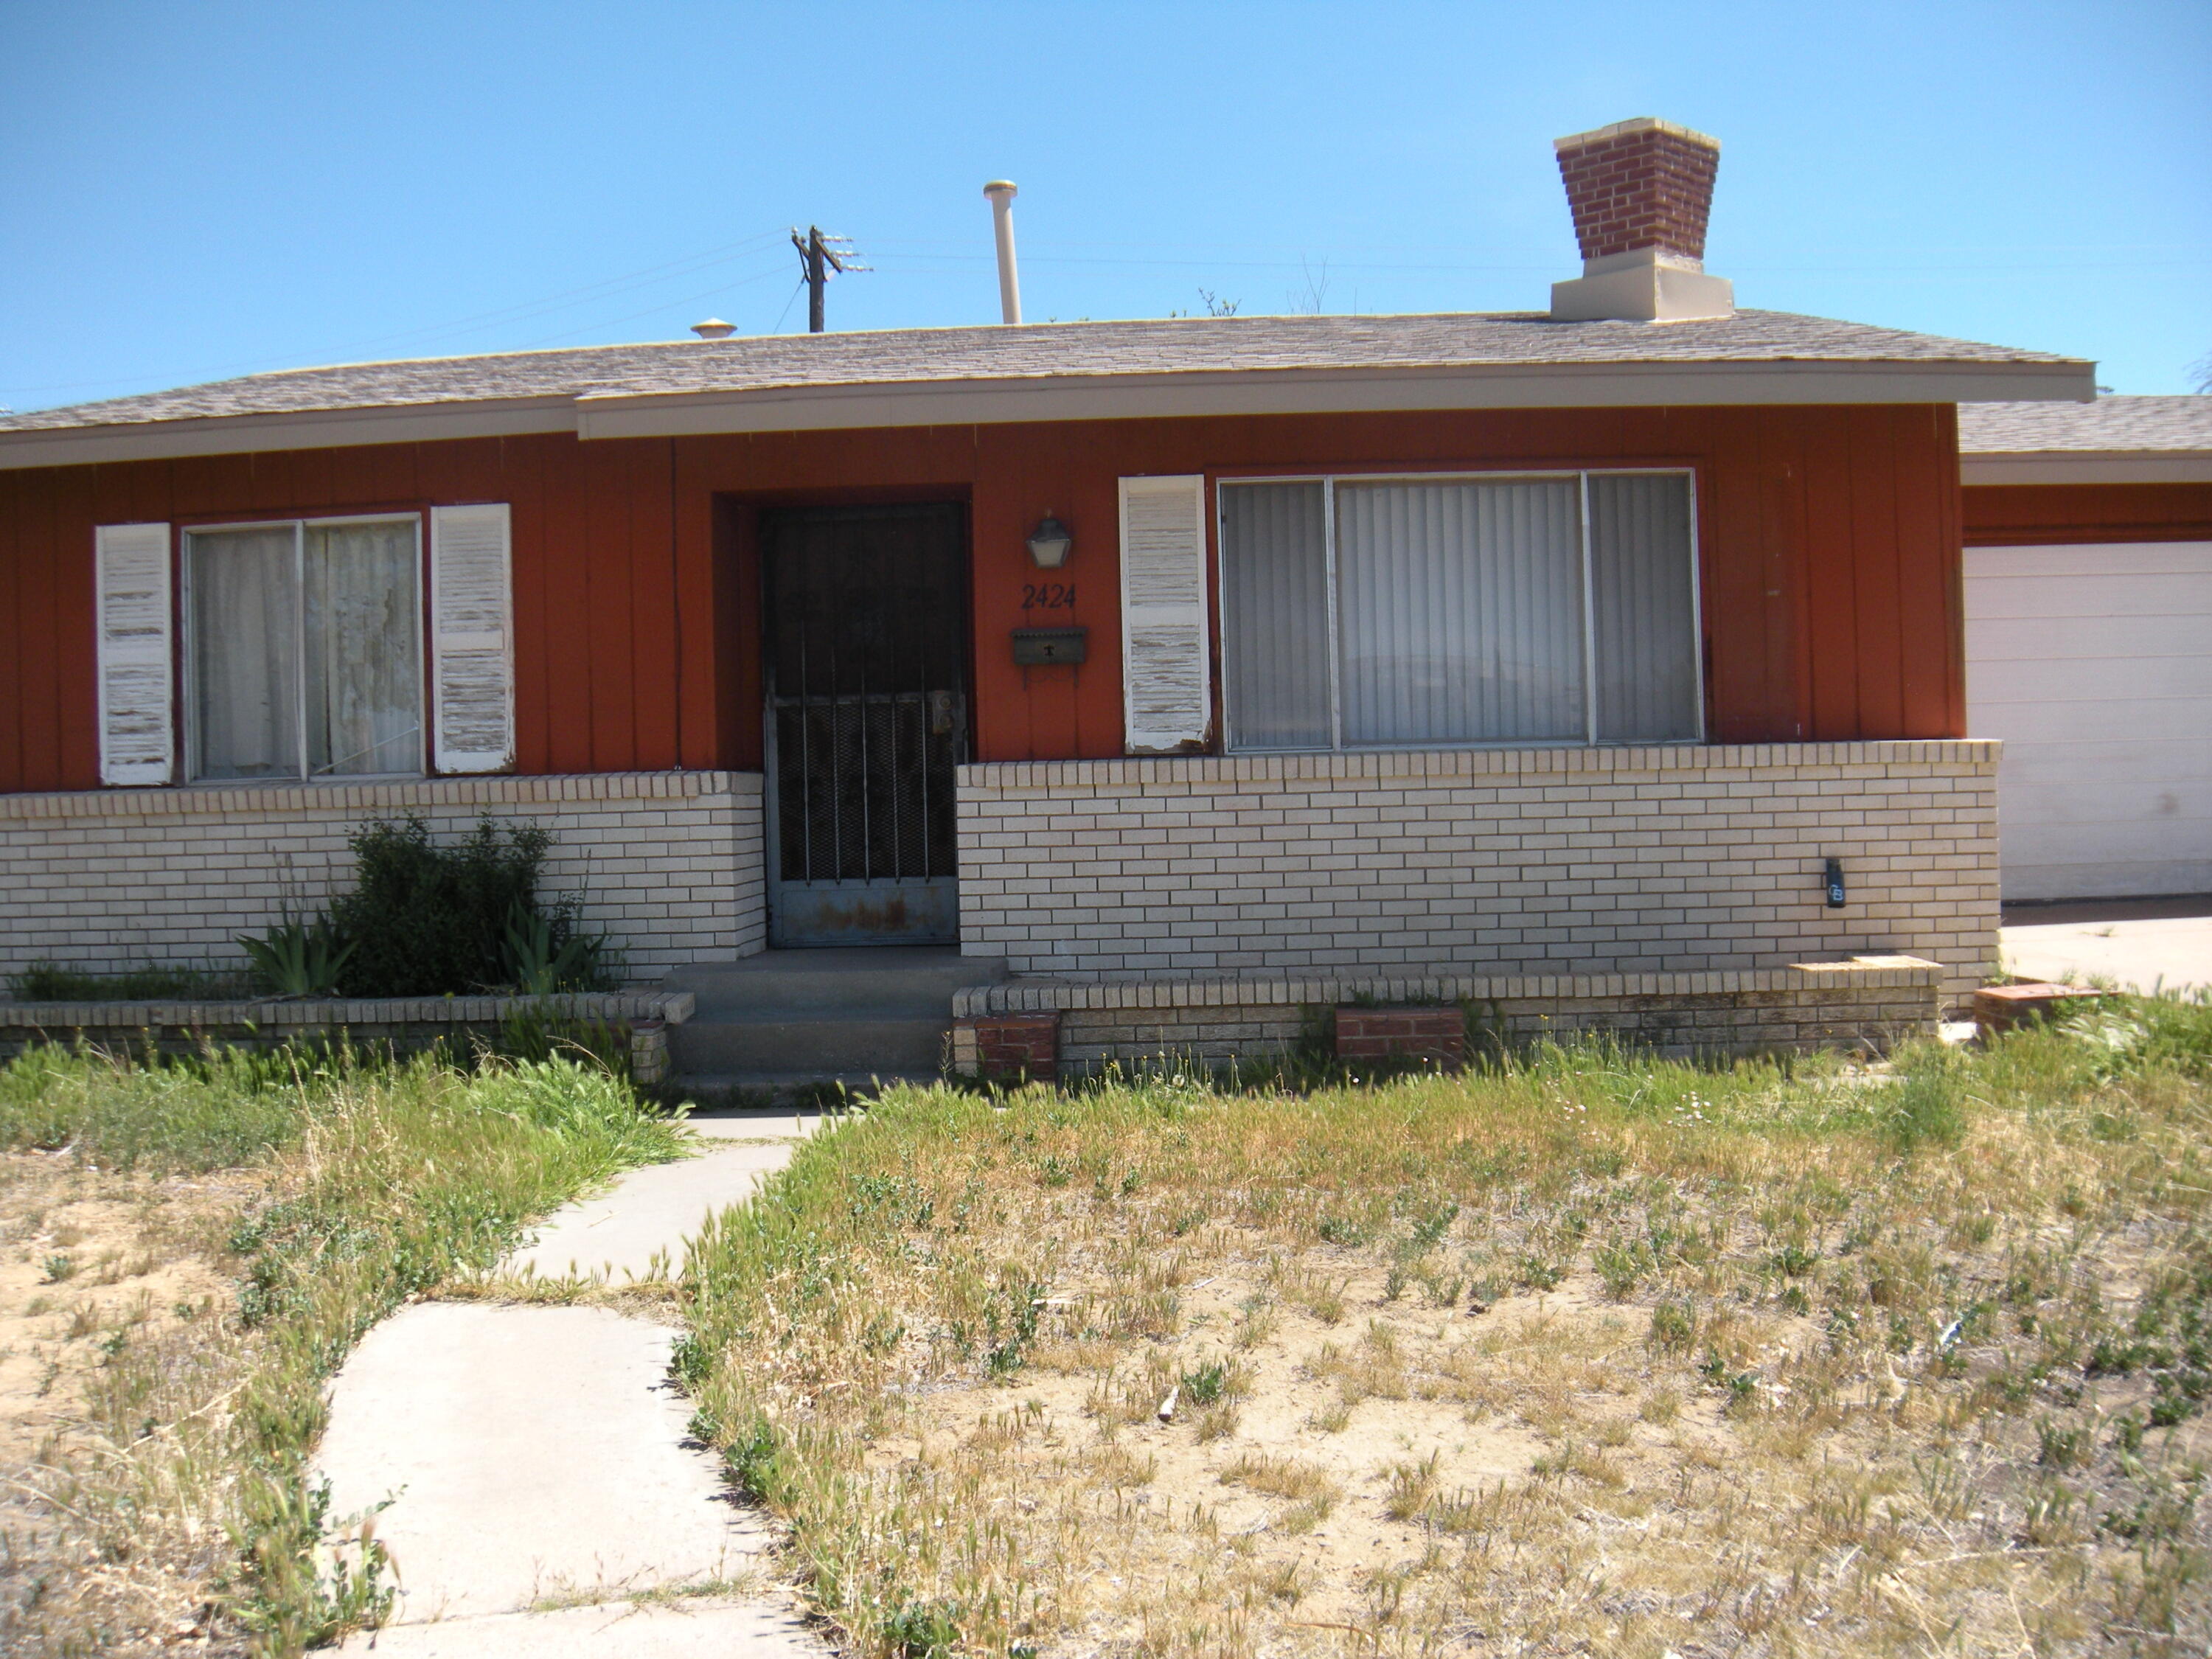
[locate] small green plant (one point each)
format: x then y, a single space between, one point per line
922 1629
1535 1272
2060 1447
540 961
751 1459
1673 1326
298 959
58 1267
1206 1385
289 1602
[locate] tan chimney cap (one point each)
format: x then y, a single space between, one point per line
1630 128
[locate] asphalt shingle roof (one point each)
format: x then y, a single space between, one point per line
1036 351
2137 424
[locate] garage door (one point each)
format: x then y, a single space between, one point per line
2094 664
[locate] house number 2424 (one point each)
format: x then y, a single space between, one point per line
1048 596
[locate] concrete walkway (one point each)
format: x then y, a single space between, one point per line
536 1458
2135 943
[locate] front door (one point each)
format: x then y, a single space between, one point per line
865 663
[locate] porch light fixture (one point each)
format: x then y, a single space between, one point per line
1050 543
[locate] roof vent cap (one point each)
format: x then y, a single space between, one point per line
714 329
1641 191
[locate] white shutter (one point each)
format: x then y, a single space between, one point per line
137 728
1166 682
472 639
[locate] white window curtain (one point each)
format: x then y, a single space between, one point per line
245 651
362 630
1409 612
305 655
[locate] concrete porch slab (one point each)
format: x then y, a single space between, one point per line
2133 951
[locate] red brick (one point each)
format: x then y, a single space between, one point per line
2001 1007
1012 1048
1438 1035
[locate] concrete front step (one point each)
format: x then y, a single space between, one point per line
869 1012
859 1039
716 1092
874 978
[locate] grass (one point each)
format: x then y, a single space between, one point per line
181 1491
1583 1352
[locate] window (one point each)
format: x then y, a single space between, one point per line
304 649
1409 612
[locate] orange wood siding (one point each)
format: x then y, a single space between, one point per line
2031 515
1827 546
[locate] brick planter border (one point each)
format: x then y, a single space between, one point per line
408 1024
1866 1003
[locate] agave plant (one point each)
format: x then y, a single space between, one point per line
539 963
298 959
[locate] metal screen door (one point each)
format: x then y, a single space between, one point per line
865 665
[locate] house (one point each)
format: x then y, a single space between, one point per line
2089 639
1596 650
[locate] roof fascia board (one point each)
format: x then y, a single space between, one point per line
2087 466
1064 398
1328 391
235 435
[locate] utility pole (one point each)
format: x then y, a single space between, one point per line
820 258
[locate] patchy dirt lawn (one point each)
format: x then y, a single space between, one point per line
104 1278
1587 1355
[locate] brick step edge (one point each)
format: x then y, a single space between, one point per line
312 1013
1043 995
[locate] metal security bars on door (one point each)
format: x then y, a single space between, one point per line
868 712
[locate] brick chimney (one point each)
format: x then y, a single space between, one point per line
1640 191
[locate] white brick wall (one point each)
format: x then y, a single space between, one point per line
669 863
1561 860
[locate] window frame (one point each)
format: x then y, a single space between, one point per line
188 658
1582 476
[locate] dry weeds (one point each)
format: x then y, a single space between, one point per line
165 1339
1591 1356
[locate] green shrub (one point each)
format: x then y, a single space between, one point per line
427 921
46 981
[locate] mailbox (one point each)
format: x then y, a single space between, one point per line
1041 647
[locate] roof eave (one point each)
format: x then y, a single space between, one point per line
2086 466
1070 398
1327 392
318 428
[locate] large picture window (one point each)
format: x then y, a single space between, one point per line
1411 612
304 648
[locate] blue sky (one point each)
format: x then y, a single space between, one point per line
189 191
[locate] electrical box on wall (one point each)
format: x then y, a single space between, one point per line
1039 646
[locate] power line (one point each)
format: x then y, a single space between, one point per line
664 305
606 288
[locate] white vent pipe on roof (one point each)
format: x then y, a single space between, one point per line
1002 193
